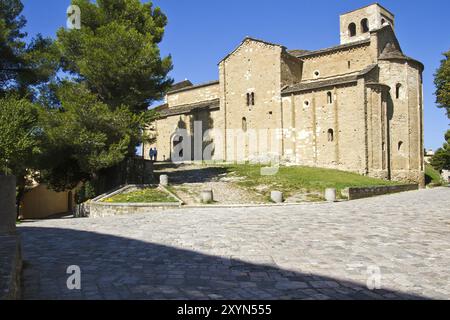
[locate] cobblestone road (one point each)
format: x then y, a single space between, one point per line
323 251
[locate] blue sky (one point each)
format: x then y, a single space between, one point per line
201 32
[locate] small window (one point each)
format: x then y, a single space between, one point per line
306 103
330 135
352 29
364 25
248 99
398 90
400 145
383 21
329 97
316 73
253 98
244 124
349 64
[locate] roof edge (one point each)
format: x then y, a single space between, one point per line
375 3
335 48
253 39
204 84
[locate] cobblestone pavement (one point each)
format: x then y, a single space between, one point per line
315 251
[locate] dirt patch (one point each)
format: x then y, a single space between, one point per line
188 181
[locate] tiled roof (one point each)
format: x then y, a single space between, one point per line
298 52
187 108
305 86
319 84
180 85
305 53
209 83
392 52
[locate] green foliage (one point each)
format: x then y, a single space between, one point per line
18 134
441 158
293 179
116 52
84 136
23 65
148 195
432 176
85 193
442 82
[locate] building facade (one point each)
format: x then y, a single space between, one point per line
356 107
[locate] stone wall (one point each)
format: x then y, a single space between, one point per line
368 192
99 209
197 94
7 204
375 14
338 62
254 67
10 267
10 246
311 115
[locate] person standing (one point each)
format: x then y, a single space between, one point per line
151 154
155 154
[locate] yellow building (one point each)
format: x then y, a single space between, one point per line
40 202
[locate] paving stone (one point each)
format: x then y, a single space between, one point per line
326 251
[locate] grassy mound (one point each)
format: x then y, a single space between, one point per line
432 176
294 179
148 195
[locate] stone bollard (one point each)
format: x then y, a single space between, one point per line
276 196
164 180
207 196
8 212
330 195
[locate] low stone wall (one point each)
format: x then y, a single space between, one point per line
10 246
367 192
10 267
98 209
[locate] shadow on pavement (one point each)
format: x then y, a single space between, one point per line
120 268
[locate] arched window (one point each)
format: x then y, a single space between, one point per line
330 135
364 25
398 90
352 29
329 97
244 124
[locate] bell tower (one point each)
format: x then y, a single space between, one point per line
356 25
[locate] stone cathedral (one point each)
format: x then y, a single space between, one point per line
355 107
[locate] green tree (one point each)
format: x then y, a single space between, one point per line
83 136
116 52
23 65
442 82
18 139
441 159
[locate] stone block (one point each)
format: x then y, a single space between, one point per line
276 196
7 204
